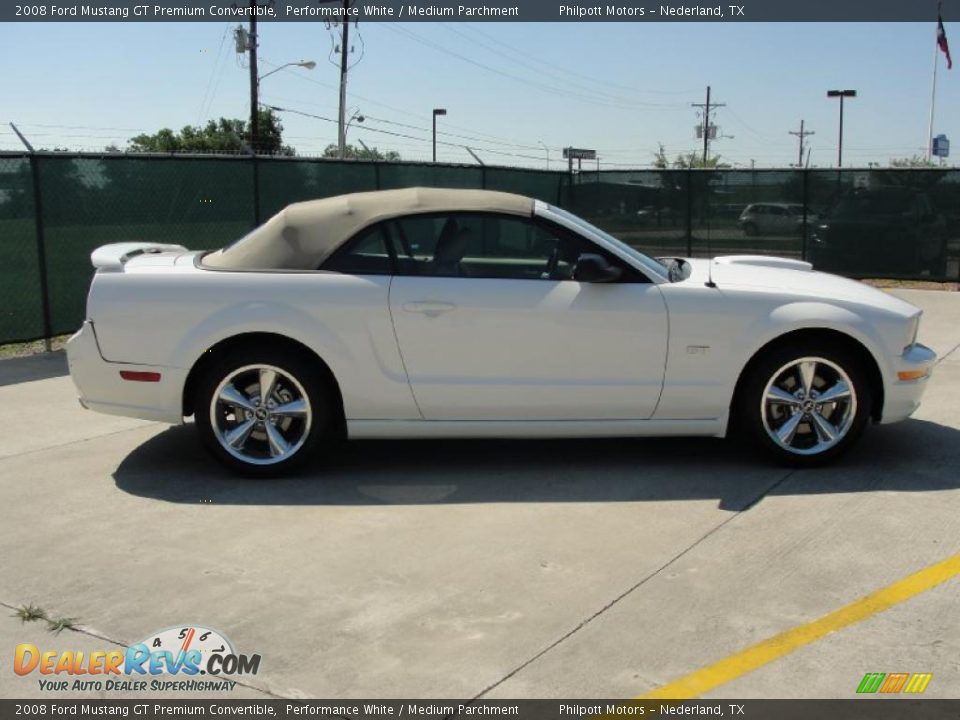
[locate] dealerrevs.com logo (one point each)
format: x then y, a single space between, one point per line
182 658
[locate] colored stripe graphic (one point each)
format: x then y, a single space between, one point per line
918 683
894 682
871 682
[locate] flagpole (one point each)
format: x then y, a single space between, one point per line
933 92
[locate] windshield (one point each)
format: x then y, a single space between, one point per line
648 263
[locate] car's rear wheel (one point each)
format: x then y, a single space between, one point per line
262 413
805 404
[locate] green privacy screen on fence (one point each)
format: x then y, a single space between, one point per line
862 223
21 313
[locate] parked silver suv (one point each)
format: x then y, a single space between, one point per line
774 218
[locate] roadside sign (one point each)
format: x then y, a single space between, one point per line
571 153
941 146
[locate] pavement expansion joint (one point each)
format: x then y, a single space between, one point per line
636 586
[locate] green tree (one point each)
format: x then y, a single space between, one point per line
223 136
660 158
361 153
914 161
686 161
695 160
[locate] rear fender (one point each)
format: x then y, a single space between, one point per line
261 317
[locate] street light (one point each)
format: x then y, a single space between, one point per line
307 64
436 111
841 94
255 88
546 150
355 116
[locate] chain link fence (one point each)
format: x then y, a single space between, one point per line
55 208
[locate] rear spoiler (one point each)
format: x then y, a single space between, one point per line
113 257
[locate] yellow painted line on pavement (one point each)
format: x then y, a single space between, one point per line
766 651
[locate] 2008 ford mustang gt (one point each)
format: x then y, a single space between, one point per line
467 313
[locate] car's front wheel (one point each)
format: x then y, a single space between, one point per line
262 413
805 404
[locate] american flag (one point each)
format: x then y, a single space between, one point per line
942 41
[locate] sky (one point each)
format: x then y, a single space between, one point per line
509 88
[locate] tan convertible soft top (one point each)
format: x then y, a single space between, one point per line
303 235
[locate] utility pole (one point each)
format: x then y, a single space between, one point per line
254 82
344 55
706 122
801 134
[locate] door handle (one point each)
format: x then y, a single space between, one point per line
430 308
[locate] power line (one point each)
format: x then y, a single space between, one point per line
564 92
449 134
564 78
78 127
566 72
406 136
487 137
213 73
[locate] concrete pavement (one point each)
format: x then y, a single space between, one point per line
510 569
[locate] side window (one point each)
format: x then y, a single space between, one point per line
365 254
479 245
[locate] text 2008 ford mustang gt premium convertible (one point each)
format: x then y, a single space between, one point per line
467 313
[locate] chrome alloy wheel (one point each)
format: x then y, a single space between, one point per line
260 414
808 406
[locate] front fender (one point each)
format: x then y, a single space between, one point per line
811 315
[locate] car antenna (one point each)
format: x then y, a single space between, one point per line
710 283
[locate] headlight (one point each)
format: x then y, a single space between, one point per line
913 327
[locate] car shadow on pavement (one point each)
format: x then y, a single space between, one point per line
913 456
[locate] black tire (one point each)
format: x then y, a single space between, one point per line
298 376
749 229
754 415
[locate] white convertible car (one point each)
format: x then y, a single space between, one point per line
435 313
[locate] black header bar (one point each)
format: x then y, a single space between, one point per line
639 11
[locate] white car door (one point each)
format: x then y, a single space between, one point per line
491 327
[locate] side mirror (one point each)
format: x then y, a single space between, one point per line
594 268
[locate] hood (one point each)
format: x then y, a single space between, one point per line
792 277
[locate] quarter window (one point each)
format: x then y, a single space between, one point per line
365 254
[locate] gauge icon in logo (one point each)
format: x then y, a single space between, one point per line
182 639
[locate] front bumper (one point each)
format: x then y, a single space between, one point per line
902 397
101 387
